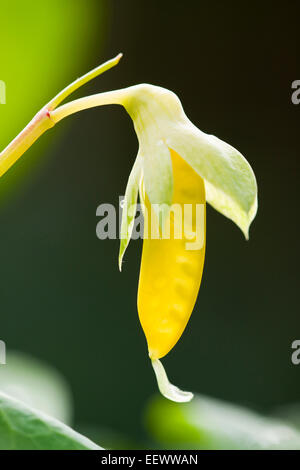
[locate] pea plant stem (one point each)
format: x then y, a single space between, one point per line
36 127
49 115
99 99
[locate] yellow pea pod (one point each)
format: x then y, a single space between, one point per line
171 268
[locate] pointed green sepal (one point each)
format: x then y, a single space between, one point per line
230 184
129 207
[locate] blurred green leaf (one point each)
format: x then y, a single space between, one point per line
206 423
43 48
23 428
36 384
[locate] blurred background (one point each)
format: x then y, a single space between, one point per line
63 300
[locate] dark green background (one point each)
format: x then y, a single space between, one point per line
62 297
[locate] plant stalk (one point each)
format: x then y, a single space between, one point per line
36 127
49 115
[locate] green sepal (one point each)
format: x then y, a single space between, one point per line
129 207
230 183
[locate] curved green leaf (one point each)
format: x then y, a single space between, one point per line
23 428
205 423
37 384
